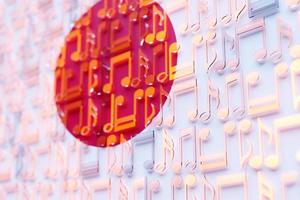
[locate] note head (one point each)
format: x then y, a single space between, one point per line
111 13
205 117
195 28
294 51
150 38
184 29
272 162
76 129
107 88
162 77
253 79
170 121
191 180
204 134
282 70
125 82
239 113
85 131
261 55
276 57
150 79
230 128
128 170
198 40
223 114
233 64
177 182
176 167
136 82
149 166
102 13
123 8
108 128
155 186
193 115
75 56
161 36
256 162
245 126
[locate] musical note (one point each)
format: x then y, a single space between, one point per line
73 109
143 63
149 94
185 134
123 59
213 93
156 35
271 161
284 32
148 164
76 36
170 72
163 95
125 122
179 88
92 119
98 46
121 44
262 106
230 81
213 162
232 180
114 166
251 28
244 128
168 147
65 91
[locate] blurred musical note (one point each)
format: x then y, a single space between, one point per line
257 26
262 106
186 134
168 147
271 161
213 162
213 93
180 88
284 32
230 81
232 180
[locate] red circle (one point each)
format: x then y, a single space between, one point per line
115 70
